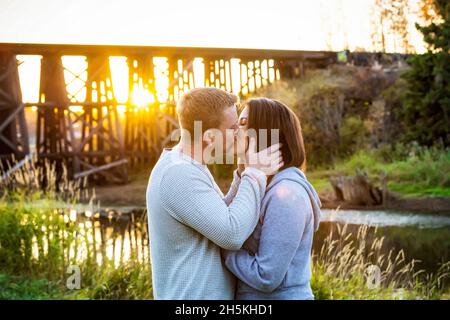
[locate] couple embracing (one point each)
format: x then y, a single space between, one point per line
255 241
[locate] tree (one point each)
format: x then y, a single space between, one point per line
427 11
399 23
390 25
379 16
426 109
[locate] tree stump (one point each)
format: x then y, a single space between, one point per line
356 190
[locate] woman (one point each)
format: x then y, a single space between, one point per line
274 262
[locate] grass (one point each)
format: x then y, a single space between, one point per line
320 180
341 270
19 287
40 237
35 256
39 242
410 190
424 173
339 267
131 280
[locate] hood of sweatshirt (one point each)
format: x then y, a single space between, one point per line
296 175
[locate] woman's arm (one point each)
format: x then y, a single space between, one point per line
281 234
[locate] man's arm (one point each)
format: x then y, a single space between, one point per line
187 194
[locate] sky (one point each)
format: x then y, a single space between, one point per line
265 24
276 24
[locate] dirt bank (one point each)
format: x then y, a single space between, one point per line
133 194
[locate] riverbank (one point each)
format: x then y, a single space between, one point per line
133 194
395 202
342 256
339 272
416 180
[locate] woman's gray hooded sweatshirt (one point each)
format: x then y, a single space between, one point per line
275 261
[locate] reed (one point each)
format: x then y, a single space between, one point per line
345 269
40 236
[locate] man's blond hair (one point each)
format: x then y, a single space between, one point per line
204 104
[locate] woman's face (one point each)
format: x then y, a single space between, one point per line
241 140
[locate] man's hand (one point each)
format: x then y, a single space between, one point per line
240 168
268 160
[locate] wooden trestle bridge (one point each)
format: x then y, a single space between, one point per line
92 140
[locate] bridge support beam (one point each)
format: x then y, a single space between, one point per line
54 131
13 129
101 149
87 134
142 125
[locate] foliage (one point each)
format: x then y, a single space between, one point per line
410 169
19 287
339 271
38 178
335 107
426 111
27 232
35 239
38 243
389 21
130 280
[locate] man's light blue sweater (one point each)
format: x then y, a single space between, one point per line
190 220
275 261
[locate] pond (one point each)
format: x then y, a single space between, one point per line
386 218
422 236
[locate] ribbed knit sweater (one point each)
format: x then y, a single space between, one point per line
190 220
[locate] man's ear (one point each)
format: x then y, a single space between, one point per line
208 137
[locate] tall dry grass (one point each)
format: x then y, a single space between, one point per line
352 267
41 235
340 269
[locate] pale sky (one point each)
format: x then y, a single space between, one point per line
278 24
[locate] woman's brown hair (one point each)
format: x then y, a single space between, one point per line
270 114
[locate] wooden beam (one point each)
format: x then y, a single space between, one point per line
224 53
100 168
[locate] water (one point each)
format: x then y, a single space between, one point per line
384 218
422 236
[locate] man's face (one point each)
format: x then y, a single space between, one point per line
228 126
241 140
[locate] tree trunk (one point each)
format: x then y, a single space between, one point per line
356 190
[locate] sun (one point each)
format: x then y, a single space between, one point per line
141 97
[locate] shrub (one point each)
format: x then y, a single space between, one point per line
426 111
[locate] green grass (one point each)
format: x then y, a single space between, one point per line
27 288
411 190
338 272
424 173
127 281
130 280
338 269
320 179
35 240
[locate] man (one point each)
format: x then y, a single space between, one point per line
189 217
